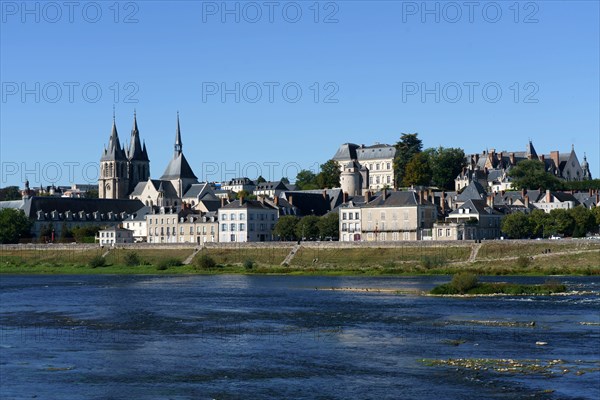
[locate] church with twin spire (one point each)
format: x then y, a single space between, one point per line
125 171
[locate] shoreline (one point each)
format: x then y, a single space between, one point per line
505 258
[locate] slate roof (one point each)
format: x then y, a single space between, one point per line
62 204
375 152
346 152
136 151
114 152
309 202
475 207
140 215
277 185
395 199
178 168
249 204
198 188
16 204
473 191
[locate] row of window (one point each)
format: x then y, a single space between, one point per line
380 179
242 227
350 215
379 166
242 216
355 227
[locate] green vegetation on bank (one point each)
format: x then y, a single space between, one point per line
564 257
575 222
467 283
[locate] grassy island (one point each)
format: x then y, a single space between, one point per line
466 283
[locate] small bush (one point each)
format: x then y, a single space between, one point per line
463 281
432 261
205 262
554 286
131 259
523 262
248 264
97 261
168 262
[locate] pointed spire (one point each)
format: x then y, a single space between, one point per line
114 150
178 143
135 127
136 151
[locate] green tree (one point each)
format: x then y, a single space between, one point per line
329 177
260 179
584 221
446 164
418 171
531 174
242 193
406 148
516 226
541 224
85 234
562 221
285 228
10 193
596 212
91 194
307 227
306 180
14 225
329 226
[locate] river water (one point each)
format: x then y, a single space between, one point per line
273 337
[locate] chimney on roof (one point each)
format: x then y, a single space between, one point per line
490 201
548 196
526 201
591 192
384 193
523 192
512 158
222 201
241 200
291 199
542 158
344 197
443 202
325 194
276 200
554 156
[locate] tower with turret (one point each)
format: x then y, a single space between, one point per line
113 182
137 156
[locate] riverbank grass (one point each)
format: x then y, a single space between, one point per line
466 283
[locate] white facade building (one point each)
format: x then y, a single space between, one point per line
114 235
247 221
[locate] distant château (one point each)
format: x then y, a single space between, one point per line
491 169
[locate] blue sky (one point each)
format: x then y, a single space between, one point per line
370 61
